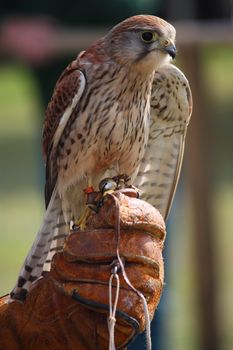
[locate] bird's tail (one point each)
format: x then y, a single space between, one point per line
48 241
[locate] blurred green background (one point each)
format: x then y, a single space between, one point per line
21 202
22 105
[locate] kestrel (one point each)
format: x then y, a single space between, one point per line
120 107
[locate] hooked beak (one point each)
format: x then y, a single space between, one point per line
171 50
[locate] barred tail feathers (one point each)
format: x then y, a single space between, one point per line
49 239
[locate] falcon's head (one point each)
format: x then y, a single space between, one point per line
144 40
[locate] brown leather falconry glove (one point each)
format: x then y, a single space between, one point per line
68 309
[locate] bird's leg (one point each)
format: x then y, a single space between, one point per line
81 222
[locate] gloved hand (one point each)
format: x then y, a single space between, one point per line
69 308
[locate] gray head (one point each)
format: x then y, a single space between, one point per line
143 40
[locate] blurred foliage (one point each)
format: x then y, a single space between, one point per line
217 68
20 199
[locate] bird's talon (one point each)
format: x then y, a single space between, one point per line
122 181
100 204
79 227
93 207
136 190
82 227
72 225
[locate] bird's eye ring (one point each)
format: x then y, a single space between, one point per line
148 37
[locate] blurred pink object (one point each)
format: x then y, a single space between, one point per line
31 39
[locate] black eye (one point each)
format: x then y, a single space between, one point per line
147 37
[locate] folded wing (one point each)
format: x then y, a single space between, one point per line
171 107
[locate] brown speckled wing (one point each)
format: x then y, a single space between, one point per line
171 107
67 92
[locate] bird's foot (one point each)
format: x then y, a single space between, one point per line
81 222
95 199
111 184
122 181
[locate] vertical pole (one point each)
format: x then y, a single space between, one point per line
199 155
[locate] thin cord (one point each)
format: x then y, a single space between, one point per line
147 317
112 308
